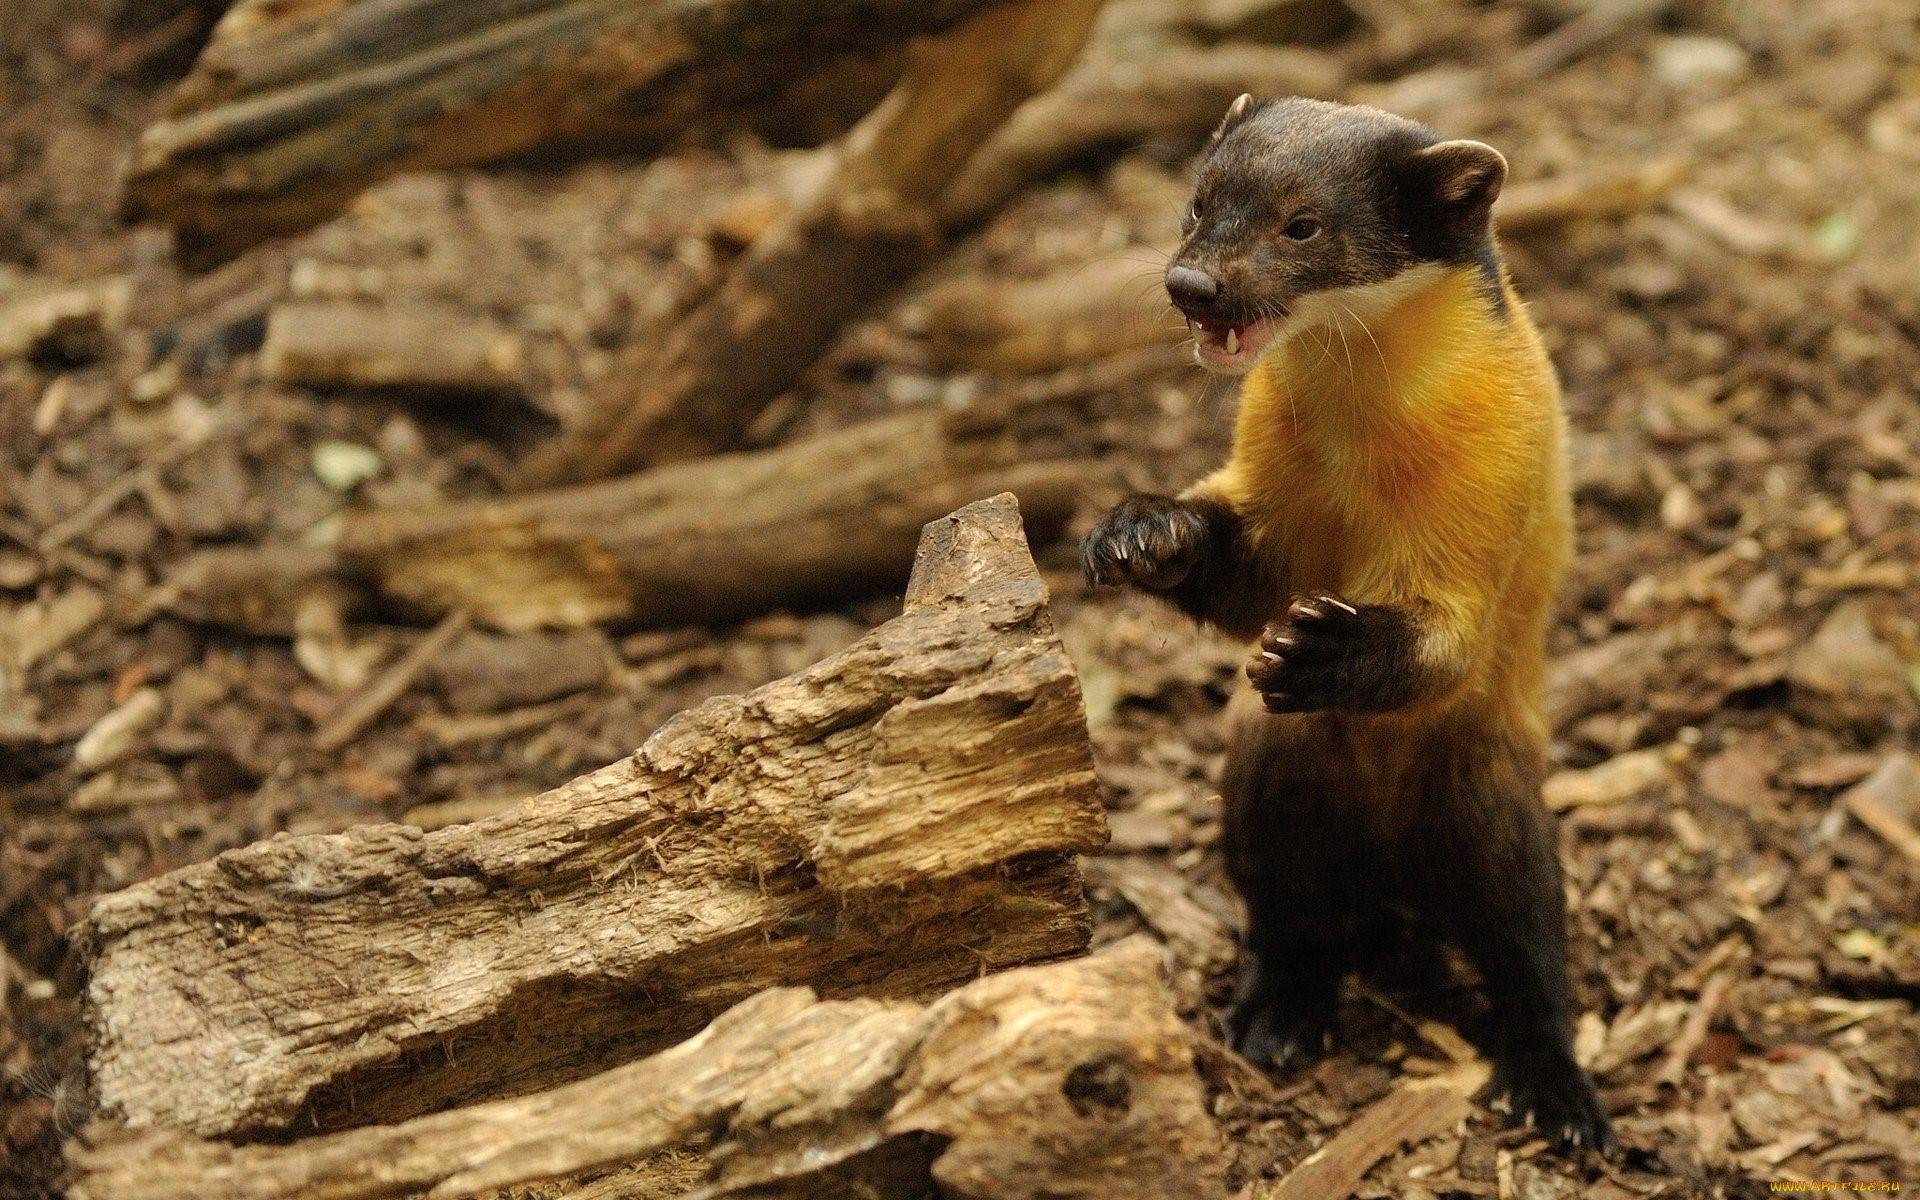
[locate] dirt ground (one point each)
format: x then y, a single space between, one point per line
1737 654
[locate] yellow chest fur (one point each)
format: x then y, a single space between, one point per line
1409 450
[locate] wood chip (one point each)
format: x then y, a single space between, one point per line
1410 1114
1160 894
1886 800
1621 777
118 734
1673 1069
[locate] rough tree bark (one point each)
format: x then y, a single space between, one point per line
295 108
1069 1080
826 518
896 818
868 224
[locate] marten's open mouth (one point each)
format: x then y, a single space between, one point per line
1231 345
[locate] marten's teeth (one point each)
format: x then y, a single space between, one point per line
1233 340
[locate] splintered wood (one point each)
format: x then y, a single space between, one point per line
1073 1080
895 819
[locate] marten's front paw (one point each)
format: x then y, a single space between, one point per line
1328 654
1149 541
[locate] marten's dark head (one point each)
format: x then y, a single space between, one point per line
1303 209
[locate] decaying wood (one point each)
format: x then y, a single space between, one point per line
1170 91
1069 1080
1411 1113
868 224
419 347
896 818
1598 22
827 518
294 109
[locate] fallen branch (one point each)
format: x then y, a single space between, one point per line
424 348
1672 1071
1074 1079
828 518
866 227
292 110
897 818
1174 91
64 321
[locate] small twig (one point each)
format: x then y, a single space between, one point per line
1691 979
114 494
366 705
1673 1070
459 729
1441 1036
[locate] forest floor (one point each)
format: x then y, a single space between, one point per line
1735 655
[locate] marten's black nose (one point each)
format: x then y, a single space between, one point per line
1191 287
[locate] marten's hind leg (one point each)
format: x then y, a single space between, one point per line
1486 865
1295 852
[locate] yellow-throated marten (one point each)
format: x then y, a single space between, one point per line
1392 524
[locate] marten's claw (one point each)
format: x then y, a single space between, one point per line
1554 1096
1329 654
1148 541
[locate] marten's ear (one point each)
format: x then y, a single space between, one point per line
1236 113
1461 173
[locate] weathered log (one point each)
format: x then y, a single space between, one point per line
1069 1080
407 347
823 519
294 109
894 819
868 224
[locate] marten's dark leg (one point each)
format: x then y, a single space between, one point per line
1290 972
1192 550
1487 869
1293 854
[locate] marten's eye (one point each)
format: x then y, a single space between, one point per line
1303 229
1193 211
